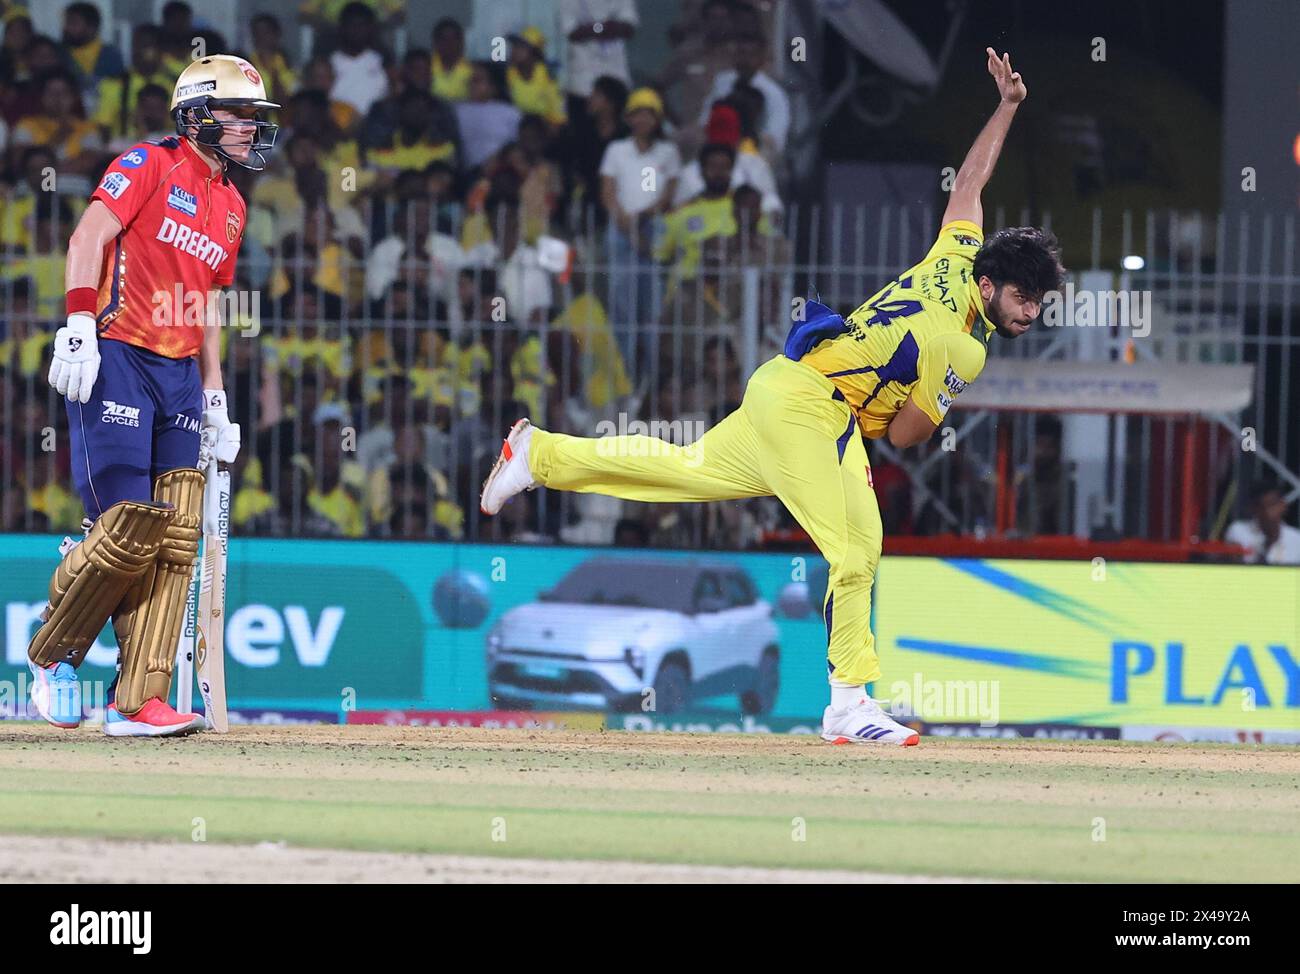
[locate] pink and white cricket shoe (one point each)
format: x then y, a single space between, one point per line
155 719
510 474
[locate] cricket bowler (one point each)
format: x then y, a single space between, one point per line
144 392
892 369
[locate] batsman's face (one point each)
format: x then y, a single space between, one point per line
237 139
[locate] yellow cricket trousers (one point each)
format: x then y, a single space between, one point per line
793 437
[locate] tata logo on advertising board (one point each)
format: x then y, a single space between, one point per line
1261 677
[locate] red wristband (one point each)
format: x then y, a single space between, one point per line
82 300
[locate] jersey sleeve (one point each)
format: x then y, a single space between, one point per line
225 275
960 238
948 363
130 180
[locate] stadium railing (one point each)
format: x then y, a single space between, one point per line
346 360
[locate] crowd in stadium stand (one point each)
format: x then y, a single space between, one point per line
394 243
405 310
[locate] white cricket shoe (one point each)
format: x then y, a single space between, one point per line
510 474
865 723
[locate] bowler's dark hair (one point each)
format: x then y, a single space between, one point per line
1026 257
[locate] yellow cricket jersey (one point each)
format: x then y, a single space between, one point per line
340 508
923 335
115 116
451 84
538 95
27 353
250 502
688 226
61 508
417 155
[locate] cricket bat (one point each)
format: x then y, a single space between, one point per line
184 673
210 644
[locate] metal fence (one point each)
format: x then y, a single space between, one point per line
376 354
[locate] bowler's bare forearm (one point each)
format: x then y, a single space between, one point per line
982 158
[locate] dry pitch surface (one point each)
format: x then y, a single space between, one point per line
326 804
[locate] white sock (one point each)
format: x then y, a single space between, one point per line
846 695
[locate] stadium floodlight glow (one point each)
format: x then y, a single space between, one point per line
1133 262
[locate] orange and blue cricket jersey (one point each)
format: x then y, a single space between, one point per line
181 229
181 225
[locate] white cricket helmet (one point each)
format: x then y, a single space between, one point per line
223 81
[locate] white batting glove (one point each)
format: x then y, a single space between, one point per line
219 436
76 358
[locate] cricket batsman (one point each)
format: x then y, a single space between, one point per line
142 377
892 369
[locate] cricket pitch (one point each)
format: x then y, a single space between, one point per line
407 804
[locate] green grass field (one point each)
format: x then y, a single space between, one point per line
1090 811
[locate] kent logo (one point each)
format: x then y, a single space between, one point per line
178 199
133 928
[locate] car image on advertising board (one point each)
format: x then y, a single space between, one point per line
637 633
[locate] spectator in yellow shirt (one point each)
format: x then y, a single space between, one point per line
412 145
324 17
92 59
39 180
451 70
24 350
62 125
319 76
708 215
117 93
177 36
252 507
150 119
329 497
529 81
45 263
50 506
408 479
584 318
310 112
269 56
